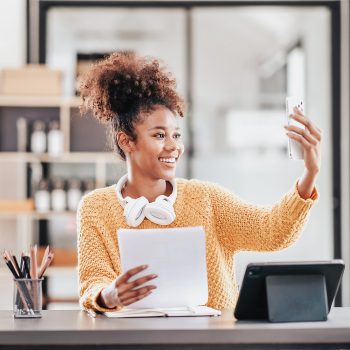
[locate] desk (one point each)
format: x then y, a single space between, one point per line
75 329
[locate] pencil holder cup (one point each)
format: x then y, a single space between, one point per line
27 298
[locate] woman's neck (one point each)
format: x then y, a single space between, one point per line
136 187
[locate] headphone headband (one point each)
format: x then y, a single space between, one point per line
160 211
123 201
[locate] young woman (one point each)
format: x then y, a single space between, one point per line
137 97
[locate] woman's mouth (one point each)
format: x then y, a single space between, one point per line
169 161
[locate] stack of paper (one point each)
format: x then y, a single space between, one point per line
178 257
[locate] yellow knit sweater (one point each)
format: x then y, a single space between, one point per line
230 225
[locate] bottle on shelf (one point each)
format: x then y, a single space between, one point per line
58 195
22 134
38 137
42 196
89 185
54 139
74 194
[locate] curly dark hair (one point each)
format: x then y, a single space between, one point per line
121 87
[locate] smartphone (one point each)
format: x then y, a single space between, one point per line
295 149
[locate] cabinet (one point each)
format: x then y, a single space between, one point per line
86 155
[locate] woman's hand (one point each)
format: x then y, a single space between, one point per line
310 139
121 292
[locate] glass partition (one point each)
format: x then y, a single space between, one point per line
246 60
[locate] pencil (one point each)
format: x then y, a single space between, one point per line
47 263
43 261
10 266
33 262
10 258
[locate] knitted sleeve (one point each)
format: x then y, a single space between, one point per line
94 265
241 226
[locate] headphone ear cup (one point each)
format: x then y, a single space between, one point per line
134 210
160 211
165 204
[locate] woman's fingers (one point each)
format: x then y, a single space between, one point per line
120 291
136 292
314 131
300 139
133 300
138 282
302 132
128 274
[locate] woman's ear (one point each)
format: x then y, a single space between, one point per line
124 142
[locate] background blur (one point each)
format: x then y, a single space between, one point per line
235 64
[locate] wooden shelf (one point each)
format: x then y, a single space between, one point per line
38 101
72 157
65 108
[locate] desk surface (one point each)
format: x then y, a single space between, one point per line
78 328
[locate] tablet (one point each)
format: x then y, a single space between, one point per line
252 298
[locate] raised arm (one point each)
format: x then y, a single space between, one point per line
242 226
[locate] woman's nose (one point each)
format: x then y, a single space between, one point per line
171 144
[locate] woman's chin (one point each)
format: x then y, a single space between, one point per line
168 174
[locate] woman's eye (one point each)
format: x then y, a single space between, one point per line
162 136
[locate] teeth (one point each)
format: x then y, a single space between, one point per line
167 160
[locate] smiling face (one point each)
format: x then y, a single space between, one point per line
158 146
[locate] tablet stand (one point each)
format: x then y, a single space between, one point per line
296 298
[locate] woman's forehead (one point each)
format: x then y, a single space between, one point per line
160 117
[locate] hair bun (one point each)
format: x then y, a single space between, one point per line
124 83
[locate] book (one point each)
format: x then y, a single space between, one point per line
165 312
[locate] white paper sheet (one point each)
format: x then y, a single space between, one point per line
176 255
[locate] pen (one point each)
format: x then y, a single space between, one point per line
191 309
21 266
19 301
16 266
26 260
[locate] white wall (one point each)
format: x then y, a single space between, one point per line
12 33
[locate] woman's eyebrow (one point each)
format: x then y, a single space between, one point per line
162 128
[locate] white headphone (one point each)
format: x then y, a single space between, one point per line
160 211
